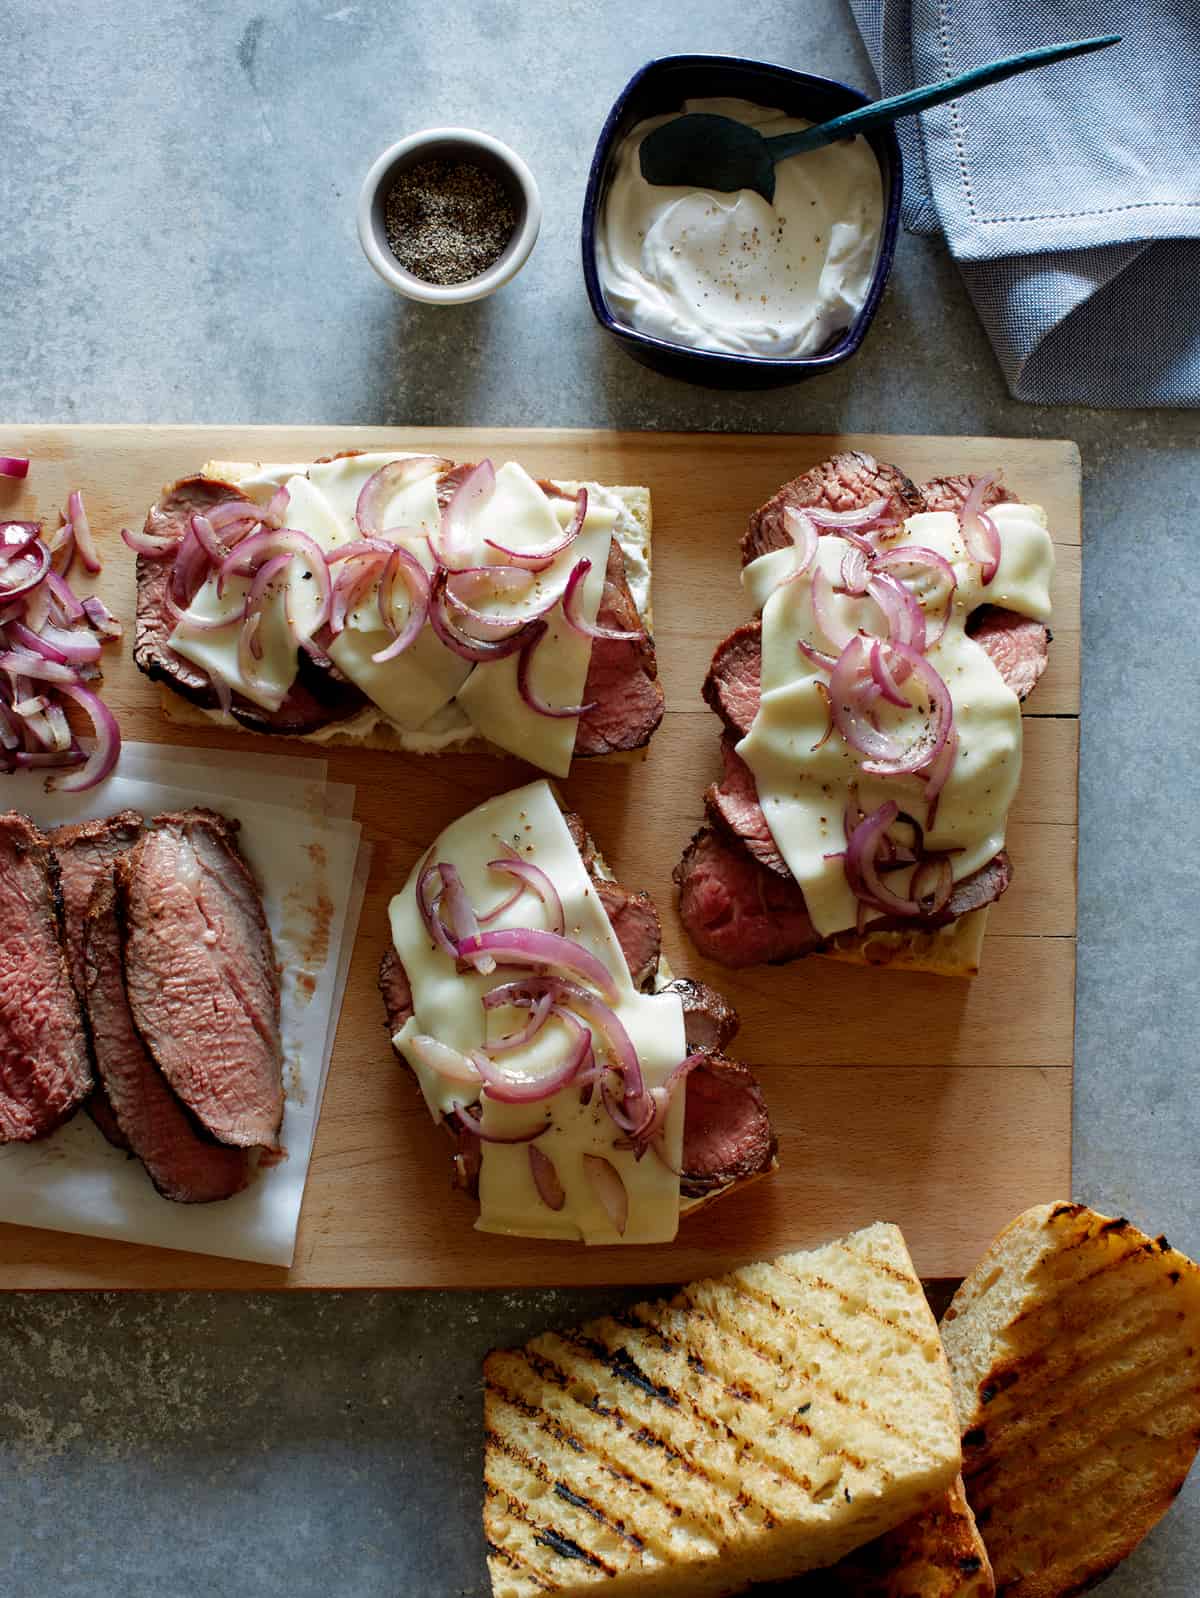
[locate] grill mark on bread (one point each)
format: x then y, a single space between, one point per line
858 1304
514 1561
549 1536
576 1499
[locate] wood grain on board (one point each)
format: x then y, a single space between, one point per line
943 1106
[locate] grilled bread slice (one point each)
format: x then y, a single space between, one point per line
937 1554
757 1426
1075 1350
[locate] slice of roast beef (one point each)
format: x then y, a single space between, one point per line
710 1022
735 910
981 888
45 1069
183 1164
727 1134
395 990
622 680
636 925
319 695
847 482
733 804
85 853
734 681
1018 645
201 976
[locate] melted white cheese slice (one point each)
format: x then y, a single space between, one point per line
446 1005
804 790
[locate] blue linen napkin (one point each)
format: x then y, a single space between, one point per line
1070 196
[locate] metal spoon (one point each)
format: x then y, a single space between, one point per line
703 151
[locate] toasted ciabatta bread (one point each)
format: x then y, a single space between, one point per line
937 1554
1075 1351
951 951
757 1426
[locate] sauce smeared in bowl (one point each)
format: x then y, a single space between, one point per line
730 272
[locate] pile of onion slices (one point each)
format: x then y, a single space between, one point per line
551 978
50 645
441 588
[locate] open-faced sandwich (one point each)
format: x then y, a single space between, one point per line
872 716
586 1091
403 602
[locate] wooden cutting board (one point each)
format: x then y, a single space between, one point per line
943 1106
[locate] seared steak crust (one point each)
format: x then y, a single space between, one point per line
182 1164
85 853
733 804
727 1134
733 685
636 925
846 482
45 1069
709 1020
201 976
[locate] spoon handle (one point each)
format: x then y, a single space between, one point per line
882 112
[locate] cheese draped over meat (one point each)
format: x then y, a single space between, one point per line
805 789
447 1005
429 691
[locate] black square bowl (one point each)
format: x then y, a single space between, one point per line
663 85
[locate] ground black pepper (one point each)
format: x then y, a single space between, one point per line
447 221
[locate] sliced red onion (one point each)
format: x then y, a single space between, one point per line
932 884
916 555
980 533
881 673
247 556
536 632
430 919
84 539
545 1178
63 550
59 590
539 1009
606 1184
13 466
76 648
269 572
230 513
484 626
572 599
861 863
103 757
925 748
102 619
856 569
389 480
401 563
850 677
837 632
460 919
510 898
527 946
603 1021
866 516
276 511
19 576
474 1125
816 657
250 651
354 582
28 707
23 664
447 1062
537 880
477 487
152 545
905 618
540 558
804 536
473 649
506 1088
823 690
206 537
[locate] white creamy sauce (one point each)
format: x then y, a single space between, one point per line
446 1005
429 694
804 791
730 272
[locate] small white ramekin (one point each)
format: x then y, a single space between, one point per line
453 144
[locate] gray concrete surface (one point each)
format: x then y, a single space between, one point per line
177 243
